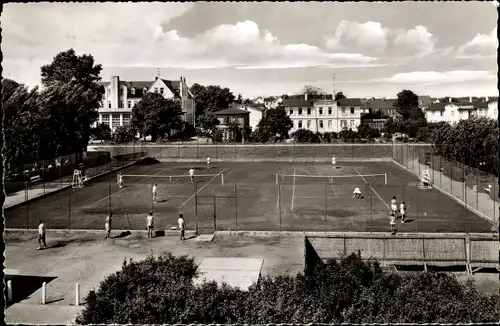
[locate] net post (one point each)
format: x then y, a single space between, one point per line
222 178
385 177
276 178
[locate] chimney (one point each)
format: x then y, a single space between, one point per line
470 99
305 96
156 78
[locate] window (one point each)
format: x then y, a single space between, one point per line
343 111
161 90
452 113
156 89
321 124
308 111
109 104
329 110
352 124
441 113
352 110
126 119
308 124
129 103
116 121
132 91
105 118
299 125
343 123
300 111
329 123
122 105
320 111
291 111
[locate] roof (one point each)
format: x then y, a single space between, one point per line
380 104
260 107
480 105
174 86
270 99
436 107
349 102
292 102
231 111
465 105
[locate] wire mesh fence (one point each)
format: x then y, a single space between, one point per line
208 206
476 189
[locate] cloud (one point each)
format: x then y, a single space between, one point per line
417 41
437 78
481 46
375 39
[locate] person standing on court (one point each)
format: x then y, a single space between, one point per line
107 225
191 174
150 224
182 226
394 206
208 163
41 235
392 222
154 193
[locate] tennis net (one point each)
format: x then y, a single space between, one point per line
303 179
172 179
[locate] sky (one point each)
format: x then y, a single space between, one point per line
260 49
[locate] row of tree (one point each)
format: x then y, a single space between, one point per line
54 120
161 291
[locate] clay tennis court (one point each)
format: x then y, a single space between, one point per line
253 196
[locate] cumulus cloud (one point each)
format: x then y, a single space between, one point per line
135 37
373 38
438 78
481 46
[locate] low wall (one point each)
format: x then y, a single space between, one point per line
472 251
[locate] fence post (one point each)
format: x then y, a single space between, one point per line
465 200
416 219
326 202
216 152
371 208
69 208
215 213
27 205
196 204
9 291
279 202
236 206
44 293
77 294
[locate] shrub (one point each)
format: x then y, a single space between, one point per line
101 132
124 134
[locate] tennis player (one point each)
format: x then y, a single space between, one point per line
402 211
392 222
191 175
208 162
334 160
120 180
356 193
154 192
150 224
394 205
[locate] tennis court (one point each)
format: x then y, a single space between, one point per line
252 196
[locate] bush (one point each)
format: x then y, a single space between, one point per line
306 136
124 134
161 291
101 132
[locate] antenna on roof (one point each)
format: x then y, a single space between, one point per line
158 72
333 87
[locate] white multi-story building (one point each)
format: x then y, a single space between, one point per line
323 115
454 112
120 97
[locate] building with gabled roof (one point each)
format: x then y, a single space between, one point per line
120 96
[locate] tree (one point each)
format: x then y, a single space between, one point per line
275 124
156 116
208 121
306 136
239 99
365 131
212 97
101 131
124 134
339 96
312 90
72 82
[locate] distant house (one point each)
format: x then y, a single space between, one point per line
386 106
424 101
350 110
453 111
232 115
257 112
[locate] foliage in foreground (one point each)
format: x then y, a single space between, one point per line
160 290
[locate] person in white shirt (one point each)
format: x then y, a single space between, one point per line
208 162
41 235
191 175
154 192
150 224
402 211
356 193
334 161
107 225
394 205
392 222
182 226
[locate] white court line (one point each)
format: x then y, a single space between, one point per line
376 193
206 184
102 199
293 189
211 191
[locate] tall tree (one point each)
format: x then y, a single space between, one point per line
212 97
276 124
156 116
312 90
72 81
